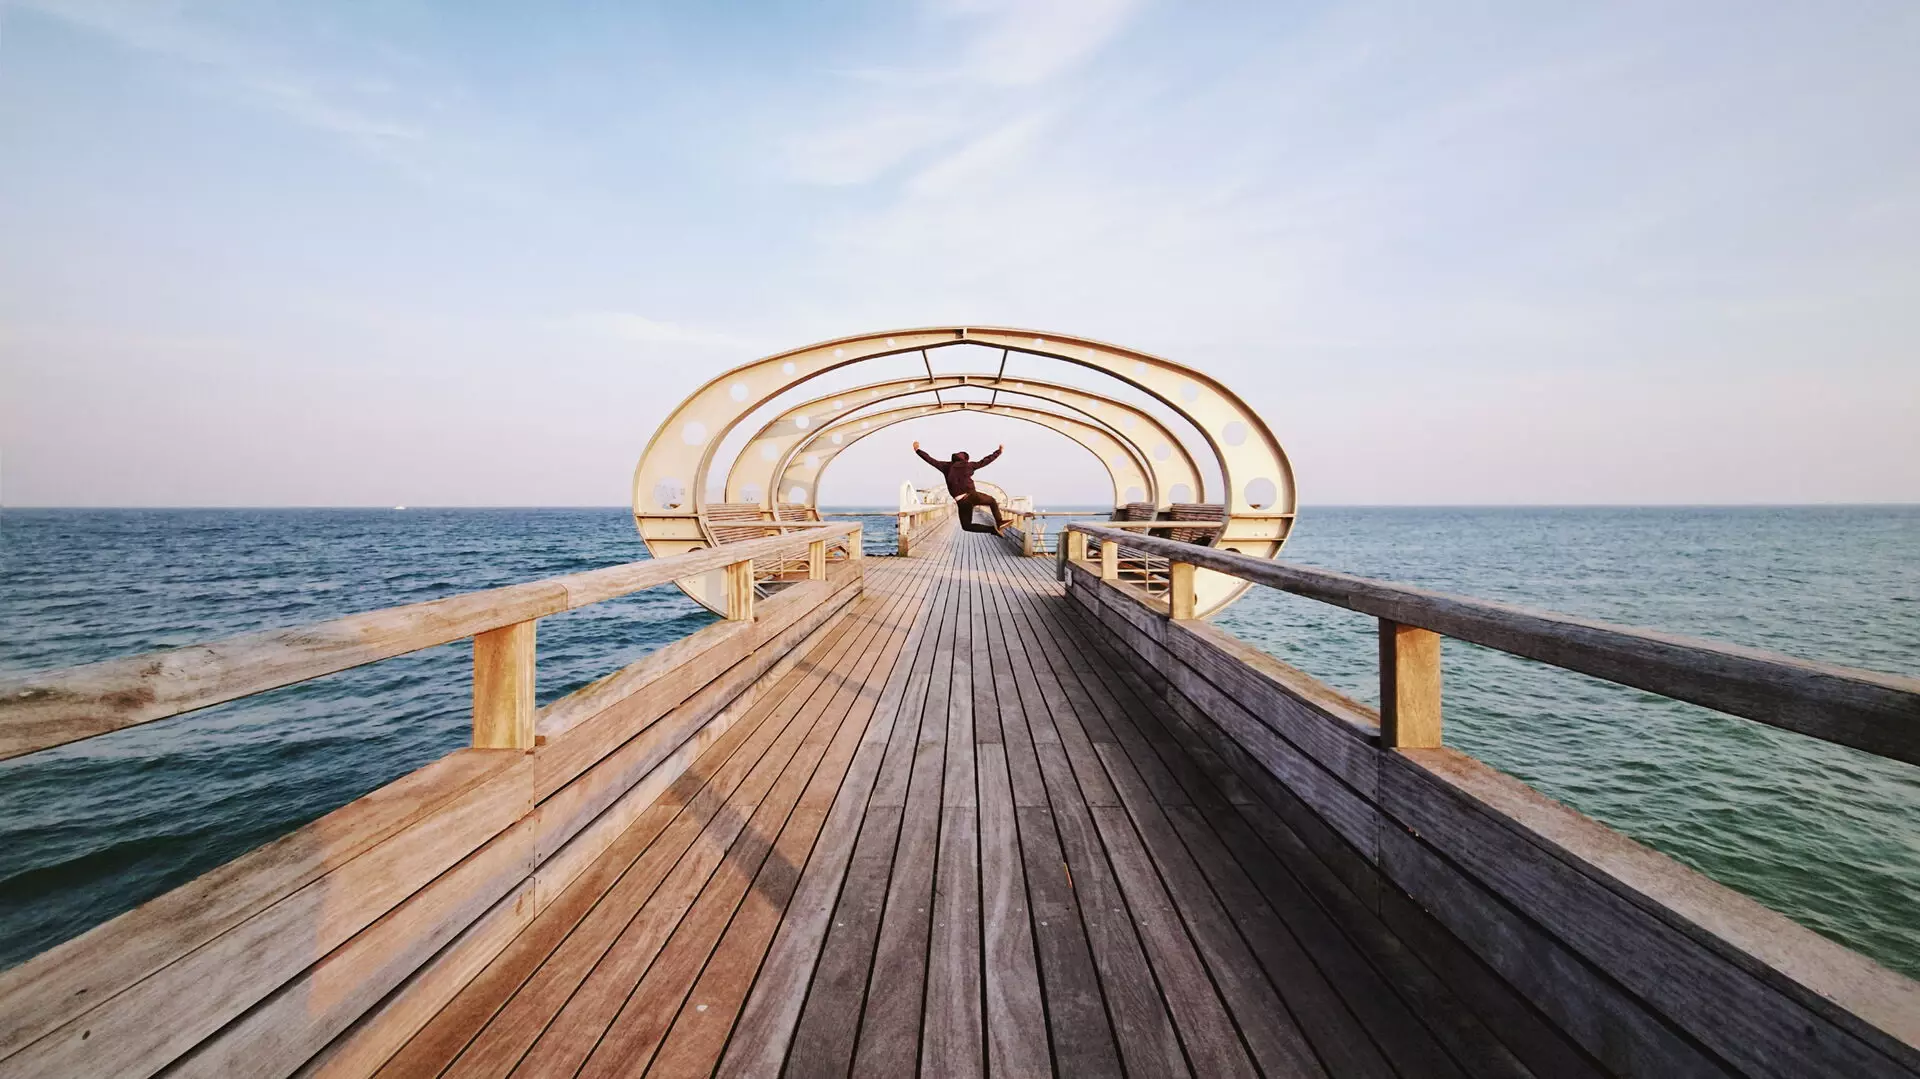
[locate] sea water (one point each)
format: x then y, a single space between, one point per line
1826 835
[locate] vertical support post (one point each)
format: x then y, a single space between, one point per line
1109 560
503 687
1409 687
1026 537
1077 546
740 591
857 543
905 530
1180 591
817 560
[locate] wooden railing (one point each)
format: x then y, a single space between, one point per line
42 710
919 520
326 949
1874 712
1649 966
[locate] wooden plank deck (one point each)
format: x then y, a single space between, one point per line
966 836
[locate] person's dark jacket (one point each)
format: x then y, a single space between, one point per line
959 474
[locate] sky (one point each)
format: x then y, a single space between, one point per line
280 253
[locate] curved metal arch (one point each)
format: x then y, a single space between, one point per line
763 466
1124 468
670 480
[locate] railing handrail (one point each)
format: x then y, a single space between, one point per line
1867 710
43 709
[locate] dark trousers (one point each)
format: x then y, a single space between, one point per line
968 501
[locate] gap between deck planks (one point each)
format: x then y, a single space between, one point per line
966 836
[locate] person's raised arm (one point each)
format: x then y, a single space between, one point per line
988 459
929 458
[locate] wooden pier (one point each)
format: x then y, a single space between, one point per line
946 815
963 812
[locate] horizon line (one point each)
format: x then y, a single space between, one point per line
1090 505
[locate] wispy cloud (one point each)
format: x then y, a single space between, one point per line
1028 42
1002 52
640 330
333 103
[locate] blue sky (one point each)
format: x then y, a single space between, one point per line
365 254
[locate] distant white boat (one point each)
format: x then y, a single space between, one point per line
399 507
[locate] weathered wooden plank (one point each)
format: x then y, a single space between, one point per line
1271 1035
579 1021
1083 1040
1016 1021
597 696
982 674
587 795
480 996
711 680
1339 733
147 1026
647 948
1620 1031
75 976
823 1041
1541 1046
958 786
1875 712
889 1042
636 1031
1351 814
1199 1014
1141 1022
951 1039
1575 876
692 1045
382 1031
890 788
1069 712
580 919
768 1020
694 1042
298 1020
1337 1037
1280 1045
625 931
1023 767
1547 1050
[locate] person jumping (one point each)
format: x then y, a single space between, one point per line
959 472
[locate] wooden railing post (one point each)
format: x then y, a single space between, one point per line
817 560
905 532
1180 590
1077 546
1409 687
503 687
857 543
740 591
1109 560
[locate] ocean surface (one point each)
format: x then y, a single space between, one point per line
1826 835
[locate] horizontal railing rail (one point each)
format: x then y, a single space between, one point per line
41 710
1866 710
918 519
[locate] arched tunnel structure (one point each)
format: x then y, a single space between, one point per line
774 480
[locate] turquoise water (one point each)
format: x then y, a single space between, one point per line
1824 834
